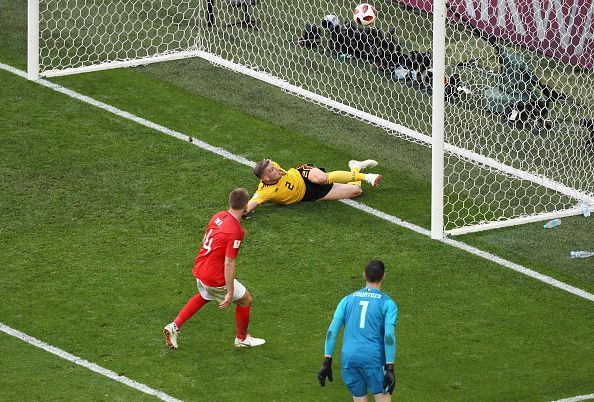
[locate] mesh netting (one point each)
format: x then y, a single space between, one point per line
519 123
81 33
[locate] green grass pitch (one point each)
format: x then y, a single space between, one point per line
102 217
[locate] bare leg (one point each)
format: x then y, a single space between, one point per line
317 176
382 397
339 191
343 191
245 301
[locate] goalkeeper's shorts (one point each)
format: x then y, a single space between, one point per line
361 380
313 191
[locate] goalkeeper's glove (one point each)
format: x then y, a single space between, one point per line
389 380
325 371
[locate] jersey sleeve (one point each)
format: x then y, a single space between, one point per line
259 196
335 325
233 244
390 317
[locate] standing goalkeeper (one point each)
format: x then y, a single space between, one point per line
369 342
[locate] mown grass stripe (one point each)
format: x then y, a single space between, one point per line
87 364
355 204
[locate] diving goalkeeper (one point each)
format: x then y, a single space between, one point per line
308 183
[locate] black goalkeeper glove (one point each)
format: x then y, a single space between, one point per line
325 371
389 380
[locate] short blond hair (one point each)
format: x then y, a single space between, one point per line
261 167
238 199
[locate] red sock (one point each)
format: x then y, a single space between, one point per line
242 320
191 307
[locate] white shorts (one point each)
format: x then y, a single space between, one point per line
219 293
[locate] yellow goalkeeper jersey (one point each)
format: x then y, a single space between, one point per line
288 190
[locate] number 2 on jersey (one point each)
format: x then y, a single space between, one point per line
363 304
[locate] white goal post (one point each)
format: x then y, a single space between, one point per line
438 120
72 37
510 124
33 39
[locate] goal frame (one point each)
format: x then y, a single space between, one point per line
435 141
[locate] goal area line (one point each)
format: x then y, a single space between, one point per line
244 161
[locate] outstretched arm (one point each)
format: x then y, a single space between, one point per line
251 205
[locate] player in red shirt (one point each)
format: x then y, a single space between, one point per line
214 270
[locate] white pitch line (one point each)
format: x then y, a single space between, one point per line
355 204
83 98
473 250
577 398
87 364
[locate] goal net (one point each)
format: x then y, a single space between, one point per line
519 108
86 35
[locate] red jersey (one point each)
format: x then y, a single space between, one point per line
223 238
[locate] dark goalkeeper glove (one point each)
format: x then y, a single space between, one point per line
389 380
325 371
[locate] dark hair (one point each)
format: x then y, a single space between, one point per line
374 271
261 167
238 199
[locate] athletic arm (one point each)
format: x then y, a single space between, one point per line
251 205
229 282
334 329
390 317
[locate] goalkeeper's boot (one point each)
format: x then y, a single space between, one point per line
360 165
373 179
171 330
248 342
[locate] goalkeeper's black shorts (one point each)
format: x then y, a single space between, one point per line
313 191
